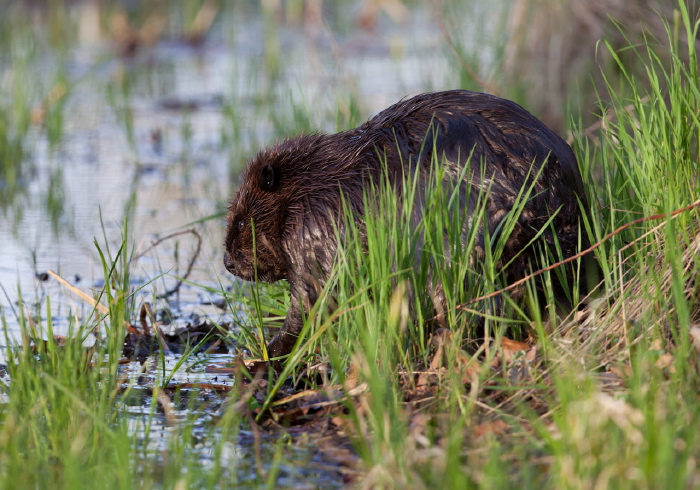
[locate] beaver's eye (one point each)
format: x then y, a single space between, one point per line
240 224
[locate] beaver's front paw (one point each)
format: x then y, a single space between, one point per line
281 344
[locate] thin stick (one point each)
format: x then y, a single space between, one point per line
189 266
581 253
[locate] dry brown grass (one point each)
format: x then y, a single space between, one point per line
629 312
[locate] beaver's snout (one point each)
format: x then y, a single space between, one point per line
229 263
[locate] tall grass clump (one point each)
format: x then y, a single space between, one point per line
648 164
387 278
61 424
645 330
416 241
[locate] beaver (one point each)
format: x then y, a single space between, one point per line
282 222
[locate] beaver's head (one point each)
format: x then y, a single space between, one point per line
256 218
280 190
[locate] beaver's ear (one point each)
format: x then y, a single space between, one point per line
268 178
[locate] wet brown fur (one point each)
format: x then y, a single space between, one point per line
291 192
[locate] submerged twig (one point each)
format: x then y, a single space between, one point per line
167 406
219 388
257 446
240 406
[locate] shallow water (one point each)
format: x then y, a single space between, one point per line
196 115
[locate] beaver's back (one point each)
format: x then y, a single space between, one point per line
511 153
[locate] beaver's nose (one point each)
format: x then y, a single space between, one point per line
228 262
